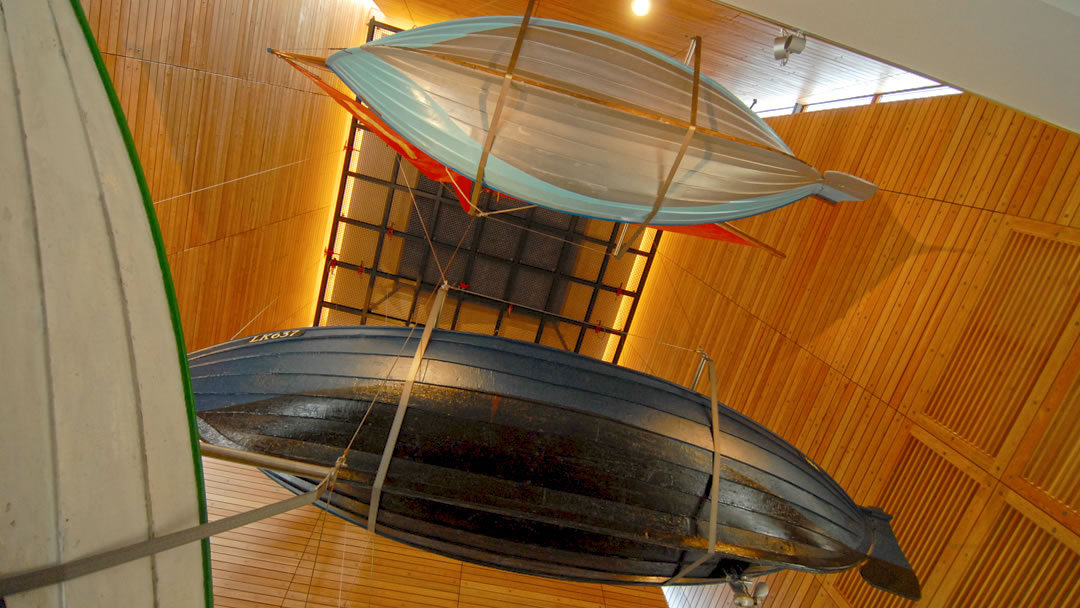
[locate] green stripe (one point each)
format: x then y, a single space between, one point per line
166 276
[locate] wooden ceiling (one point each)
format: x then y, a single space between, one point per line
921 346
736 48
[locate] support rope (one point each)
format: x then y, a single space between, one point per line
51 575
427 235
236 179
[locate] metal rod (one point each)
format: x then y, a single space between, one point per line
264 461
622 237
691 50
700 368
312 60
522 208
739 233
403 404
51 575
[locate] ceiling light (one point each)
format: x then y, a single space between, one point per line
787 44
640 7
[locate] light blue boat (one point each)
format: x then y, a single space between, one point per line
591 125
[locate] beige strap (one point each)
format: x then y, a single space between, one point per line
508 77
715 494
682 149
403 404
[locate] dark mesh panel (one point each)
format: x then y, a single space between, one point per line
531 287
500 239
489 277
507 266
452 225
412 256
542 251
426 205
428 186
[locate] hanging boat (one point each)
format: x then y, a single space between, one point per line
537 460
591 124
459 184
97 439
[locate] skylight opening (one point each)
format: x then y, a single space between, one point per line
918 94
839 103
776 112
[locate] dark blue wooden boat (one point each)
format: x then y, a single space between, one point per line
537 460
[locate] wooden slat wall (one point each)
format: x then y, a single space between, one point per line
242 154
307 558
921 346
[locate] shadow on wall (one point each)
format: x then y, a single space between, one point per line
840 259
837 256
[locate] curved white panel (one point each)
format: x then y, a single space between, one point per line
94 437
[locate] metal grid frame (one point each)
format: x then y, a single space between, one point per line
447 208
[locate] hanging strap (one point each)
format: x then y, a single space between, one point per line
403 404
715 494
51 575
508 77
690 130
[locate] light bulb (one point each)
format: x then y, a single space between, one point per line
640 7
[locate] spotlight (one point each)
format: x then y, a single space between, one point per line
787 44
640 7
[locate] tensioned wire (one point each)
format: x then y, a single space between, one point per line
382 385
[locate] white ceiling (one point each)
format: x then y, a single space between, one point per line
1021 53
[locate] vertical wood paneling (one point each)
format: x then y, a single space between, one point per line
921 346
1017 557
1056 459
1031 291
241 153
308 558
942 498
1046 466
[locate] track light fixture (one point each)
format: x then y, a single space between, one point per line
787 44
748 595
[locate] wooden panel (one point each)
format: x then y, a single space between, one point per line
241 153
1016 557
1053 467
1046 467
934 496
921 346
1031 291
308 558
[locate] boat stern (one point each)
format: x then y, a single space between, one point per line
888 568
